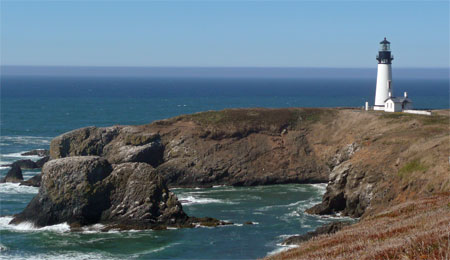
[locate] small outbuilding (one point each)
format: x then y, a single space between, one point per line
397 104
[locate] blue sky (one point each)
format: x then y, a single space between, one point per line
223 33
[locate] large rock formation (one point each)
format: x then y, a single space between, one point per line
71 191
234 147
84 190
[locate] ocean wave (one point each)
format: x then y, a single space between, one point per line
151 251
27 140
3 247
96 228
281 248
321 187
286 236
29 174
29 227
19 155
60 256
16 188
189 200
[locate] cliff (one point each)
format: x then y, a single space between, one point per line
371 160
368 157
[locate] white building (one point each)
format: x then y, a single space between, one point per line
384 100
397 104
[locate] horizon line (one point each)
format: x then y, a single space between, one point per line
208 67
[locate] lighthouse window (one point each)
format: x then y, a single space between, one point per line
385 47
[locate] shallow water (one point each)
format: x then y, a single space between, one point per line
276 211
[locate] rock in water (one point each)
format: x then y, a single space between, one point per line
37 152
140 199
35 181
71 191
14 175
25 164
329 228
40 163
87 190
117 144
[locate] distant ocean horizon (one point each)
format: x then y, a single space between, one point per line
38 104
219 72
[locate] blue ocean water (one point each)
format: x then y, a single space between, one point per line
35 109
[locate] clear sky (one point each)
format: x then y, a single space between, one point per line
223 33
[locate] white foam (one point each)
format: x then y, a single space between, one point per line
96 228
321 187
29 227
144 253
16 188
3 247
281 248
27 175
189 200
35 140
284 237
60 256
19 155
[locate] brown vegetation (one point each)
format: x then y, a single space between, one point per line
417 229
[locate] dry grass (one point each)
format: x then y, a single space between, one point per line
418 229
242 122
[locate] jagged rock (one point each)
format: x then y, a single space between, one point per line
40 163
29 164
14 175
117 144
343 154
348 192
85 190
70 192
34 181
37 152
329 228
139 195
151 153
25 164
84 141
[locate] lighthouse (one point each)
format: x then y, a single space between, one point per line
384 75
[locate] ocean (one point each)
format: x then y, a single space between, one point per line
35 109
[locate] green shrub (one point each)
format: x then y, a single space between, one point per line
412 166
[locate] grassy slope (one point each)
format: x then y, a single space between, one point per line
413 220
416 229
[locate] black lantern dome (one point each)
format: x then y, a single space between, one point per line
384 55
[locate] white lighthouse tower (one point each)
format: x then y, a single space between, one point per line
384 75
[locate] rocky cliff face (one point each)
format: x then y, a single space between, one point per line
368 158
233 147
